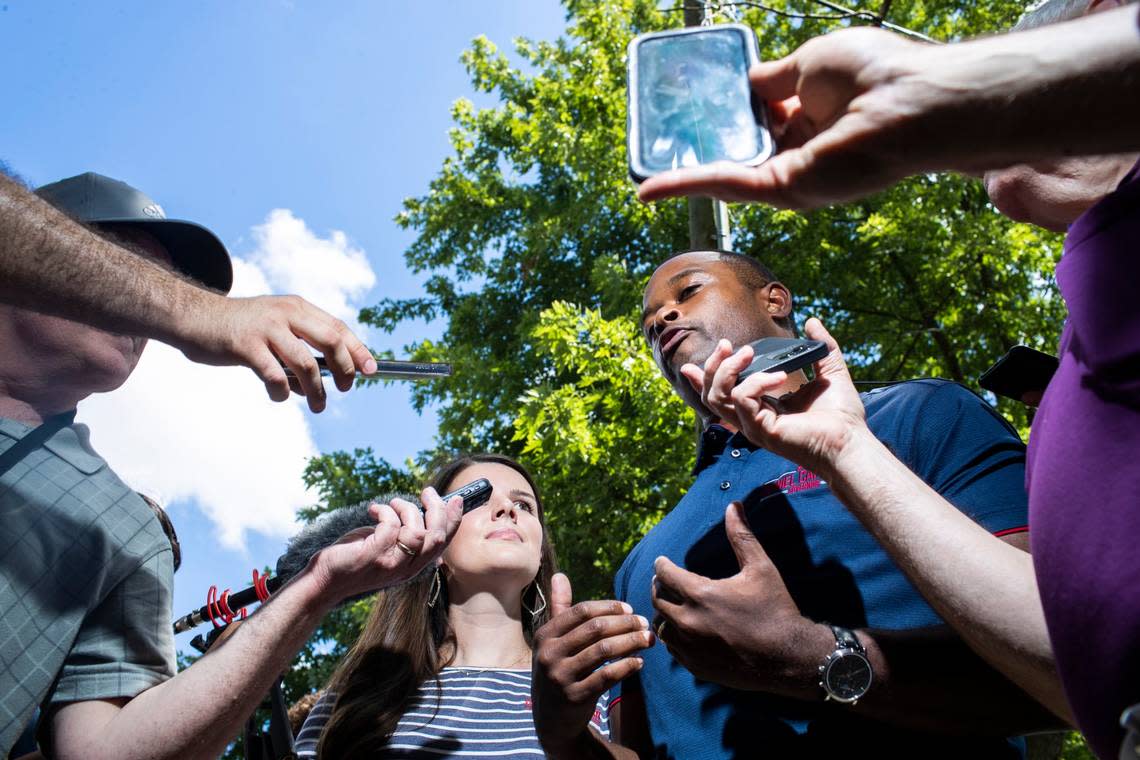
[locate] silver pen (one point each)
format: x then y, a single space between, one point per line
391 369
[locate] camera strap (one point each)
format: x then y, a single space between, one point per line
35 438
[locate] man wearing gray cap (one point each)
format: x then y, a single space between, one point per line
85 568
51 262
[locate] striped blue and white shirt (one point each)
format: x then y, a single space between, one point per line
471 712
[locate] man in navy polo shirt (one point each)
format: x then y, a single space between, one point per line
783 628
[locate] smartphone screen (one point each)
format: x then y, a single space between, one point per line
691 102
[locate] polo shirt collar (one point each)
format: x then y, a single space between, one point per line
72 444
714 438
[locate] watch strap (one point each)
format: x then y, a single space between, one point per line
845 638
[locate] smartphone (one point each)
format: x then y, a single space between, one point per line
474 494
1021 374
388 369
690 101
782 355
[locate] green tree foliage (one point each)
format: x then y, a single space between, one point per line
536 249
534 212
605 409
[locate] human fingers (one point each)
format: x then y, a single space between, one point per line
268 369
758 420
790 126
387 524
696 377
344 353
722 180
774 182
673 586
777 80
834 360
602 679
297 357
580 613
719 392
598 629
440 520
748 550
720 352
757 386
410 514
412 536
561 595
585 662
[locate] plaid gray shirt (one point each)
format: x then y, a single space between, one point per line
85 582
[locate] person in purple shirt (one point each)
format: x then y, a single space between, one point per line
1052 116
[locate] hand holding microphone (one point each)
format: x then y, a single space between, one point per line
403 538
401 543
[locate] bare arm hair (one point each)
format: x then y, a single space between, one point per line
872 108
53 264
991 601
50 263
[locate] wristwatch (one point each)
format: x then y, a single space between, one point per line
845 674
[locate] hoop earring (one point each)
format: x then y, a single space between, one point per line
436 585
535 612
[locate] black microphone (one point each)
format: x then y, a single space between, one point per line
327 529
324 531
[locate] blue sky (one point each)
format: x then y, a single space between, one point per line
329 113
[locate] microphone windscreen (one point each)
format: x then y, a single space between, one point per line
326 530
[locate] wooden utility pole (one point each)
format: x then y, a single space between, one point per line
708 219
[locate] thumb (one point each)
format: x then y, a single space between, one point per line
744 542
561 596
776 80
832 365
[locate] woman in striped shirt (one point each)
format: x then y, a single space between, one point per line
442 668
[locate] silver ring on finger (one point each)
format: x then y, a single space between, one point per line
405 548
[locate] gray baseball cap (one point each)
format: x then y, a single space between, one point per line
94 199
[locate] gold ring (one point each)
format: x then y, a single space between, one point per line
405 548
660 630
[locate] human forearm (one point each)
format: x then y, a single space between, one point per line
984 588
1060 90
958 692
199 711
50 263
857 110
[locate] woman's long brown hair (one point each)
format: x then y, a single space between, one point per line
405 642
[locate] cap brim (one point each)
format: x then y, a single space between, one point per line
193 249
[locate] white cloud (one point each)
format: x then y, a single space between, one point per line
329 272
186 432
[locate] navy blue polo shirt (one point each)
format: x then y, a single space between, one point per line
834 569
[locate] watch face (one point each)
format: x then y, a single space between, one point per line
848 677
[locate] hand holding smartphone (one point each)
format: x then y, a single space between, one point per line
782 355
690 101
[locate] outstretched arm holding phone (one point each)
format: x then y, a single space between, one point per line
857 110
52 264
991 601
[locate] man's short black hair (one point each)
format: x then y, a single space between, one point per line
750 273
